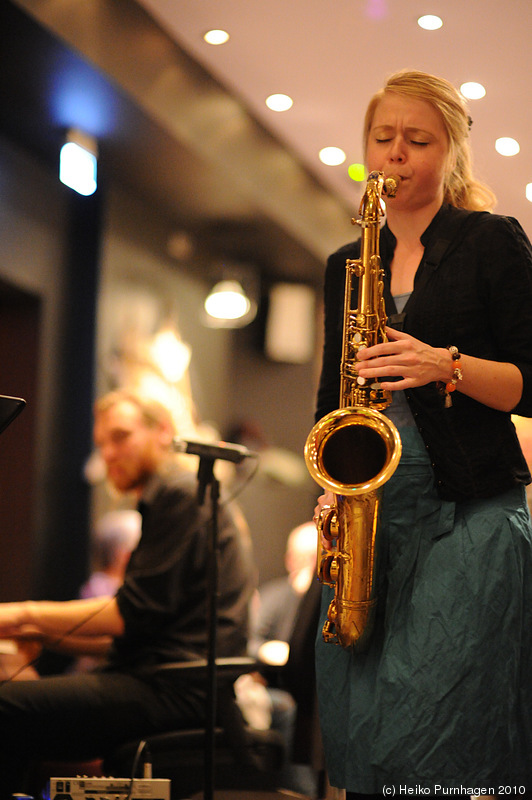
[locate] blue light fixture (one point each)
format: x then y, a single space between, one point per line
78 162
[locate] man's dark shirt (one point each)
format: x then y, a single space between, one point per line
164 598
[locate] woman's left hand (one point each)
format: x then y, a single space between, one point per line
405 359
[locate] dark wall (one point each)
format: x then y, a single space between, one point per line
49 270
73 256
20 327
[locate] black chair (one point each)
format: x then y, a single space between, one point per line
298 677
243 758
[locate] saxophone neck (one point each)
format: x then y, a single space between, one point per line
372 207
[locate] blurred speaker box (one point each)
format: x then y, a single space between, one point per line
290 324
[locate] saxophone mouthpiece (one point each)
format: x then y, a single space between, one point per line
391 184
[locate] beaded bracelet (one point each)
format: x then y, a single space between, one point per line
447 388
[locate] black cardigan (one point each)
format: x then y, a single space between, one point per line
473 289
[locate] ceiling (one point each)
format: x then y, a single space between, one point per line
185 124
331 56
166 131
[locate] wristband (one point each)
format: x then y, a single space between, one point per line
447 388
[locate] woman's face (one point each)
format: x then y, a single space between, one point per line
408 138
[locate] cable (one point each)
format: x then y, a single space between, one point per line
241 485
32 662
142 747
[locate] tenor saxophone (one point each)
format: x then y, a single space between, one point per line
355 449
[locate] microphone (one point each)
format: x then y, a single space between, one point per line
223 450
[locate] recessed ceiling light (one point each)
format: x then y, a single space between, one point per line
279 102
430 22
528 192
472 90
216 37
332 156
506 146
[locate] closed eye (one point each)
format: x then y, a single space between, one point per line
412 141
118 436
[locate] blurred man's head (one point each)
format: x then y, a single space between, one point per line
134 436
114 537
301 554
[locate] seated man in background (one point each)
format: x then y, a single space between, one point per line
279 598
159 614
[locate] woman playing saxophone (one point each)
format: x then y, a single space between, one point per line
442 697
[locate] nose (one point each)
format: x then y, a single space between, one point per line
397 153
106 451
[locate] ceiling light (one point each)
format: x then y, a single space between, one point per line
332 156
528 192
227 300
228 306
279 102
78 162
506 146
430 22
216 37
472 90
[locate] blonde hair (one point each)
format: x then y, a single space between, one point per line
153 412
461 188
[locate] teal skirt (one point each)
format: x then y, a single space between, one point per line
442 698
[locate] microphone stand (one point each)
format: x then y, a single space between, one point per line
206 479
208 453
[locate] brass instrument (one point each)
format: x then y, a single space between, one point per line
354 450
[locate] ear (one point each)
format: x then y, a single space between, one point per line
166 434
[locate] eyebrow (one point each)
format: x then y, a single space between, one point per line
412 129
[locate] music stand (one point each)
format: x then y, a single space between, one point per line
10 407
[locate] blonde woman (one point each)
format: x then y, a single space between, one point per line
442 699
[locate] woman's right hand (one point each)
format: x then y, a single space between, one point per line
325 501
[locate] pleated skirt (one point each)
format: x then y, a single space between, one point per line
442 699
